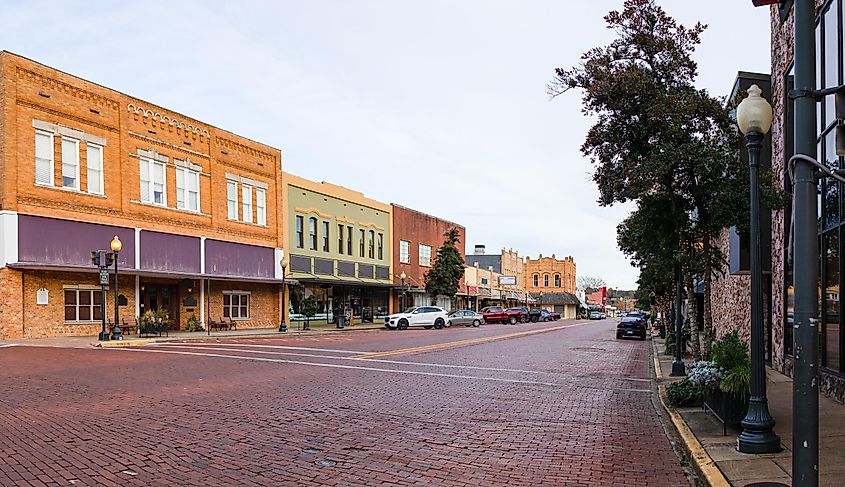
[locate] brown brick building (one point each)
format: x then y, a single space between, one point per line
196 208
550 274
416 238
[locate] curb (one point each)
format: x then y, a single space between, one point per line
125 343
704 464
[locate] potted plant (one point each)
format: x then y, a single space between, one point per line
729 400
194 323
309 309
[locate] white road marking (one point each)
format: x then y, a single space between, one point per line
9 345
282 347
335 357
337 366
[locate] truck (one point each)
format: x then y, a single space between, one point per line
497 314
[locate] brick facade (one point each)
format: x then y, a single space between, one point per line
550 266
72 112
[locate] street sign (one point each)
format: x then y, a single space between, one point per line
104 276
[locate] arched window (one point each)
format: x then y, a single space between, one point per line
557 280
545 280
536 280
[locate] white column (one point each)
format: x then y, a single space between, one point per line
137 248
202 255
8 237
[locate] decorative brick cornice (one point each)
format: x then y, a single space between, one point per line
167 145
66 88
186 129
68 116
244 149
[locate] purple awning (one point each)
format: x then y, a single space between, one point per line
234 259
64 242
169 252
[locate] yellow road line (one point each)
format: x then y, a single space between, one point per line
468 341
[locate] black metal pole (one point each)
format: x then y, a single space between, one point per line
283 327
104 335
805 392
115 334
758 434
678 368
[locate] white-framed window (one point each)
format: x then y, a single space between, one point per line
153 182
545 280
70 163
187 189
325 236
44 158
404 251
361 242
261 205
372 246
232 200
300 238
246 196
94 167
340 239
312 233
380 246
536 280
83 305
425 255
557 280
236 305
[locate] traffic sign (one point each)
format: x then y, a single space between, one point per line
104 276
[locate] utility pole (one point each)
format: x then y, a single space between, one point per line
805 392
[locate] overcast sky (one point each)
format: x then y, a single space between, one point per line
436 105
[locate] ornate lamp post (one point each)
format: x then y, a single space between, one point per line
283 326
754 116
116 245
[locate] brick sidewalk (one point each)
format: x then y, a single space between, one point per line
741 469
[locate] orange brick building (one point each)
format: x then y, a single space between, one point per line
197 209
550 274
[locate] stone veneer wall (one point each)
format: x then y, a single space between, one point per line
730 298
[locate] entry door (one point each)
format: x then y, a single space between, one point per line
156 296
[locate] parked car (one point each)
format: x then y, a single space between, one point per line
497 314
555 315
424 316
545 315
631 326
526 315
465 317
597 315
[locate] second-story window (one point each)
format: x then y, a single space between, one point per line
246 196
232 200
545 280
94 157
557 280
187 189
325 236
361 234
372 245
349 240
425 255
536 280
70 163
153 187
380 246
404 251
300 238
261 206
340 239
44 150
312 233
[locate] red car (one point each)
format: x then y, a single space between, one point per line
497 314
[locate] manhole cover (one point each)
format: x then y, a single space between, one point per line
311 450
325 463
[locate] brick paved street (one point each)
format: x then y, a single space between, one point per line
571 406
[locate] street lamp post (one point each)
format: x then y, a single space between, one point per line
678 367
754 116
116 245
283 326
402 276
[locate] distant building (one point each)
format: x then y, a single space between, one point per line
508 266
550 274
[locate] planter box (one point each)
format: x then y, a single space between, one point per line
728 409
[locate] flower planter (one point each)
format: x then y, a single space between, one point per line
728 409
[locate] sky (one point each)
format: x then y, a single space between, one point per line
437 105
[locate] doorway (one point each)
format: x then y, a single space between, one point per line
156 295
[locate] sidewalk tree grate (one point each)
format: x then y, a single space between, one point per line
325 463
311 450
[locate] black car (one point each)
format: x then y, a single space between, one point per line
548 315
631 326
532 315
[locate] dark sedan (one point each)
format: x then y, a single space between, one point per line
630 327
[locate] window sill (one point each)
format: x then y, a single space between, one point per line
234 220
69 190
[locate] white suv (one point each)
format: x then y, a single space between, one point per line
425 316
